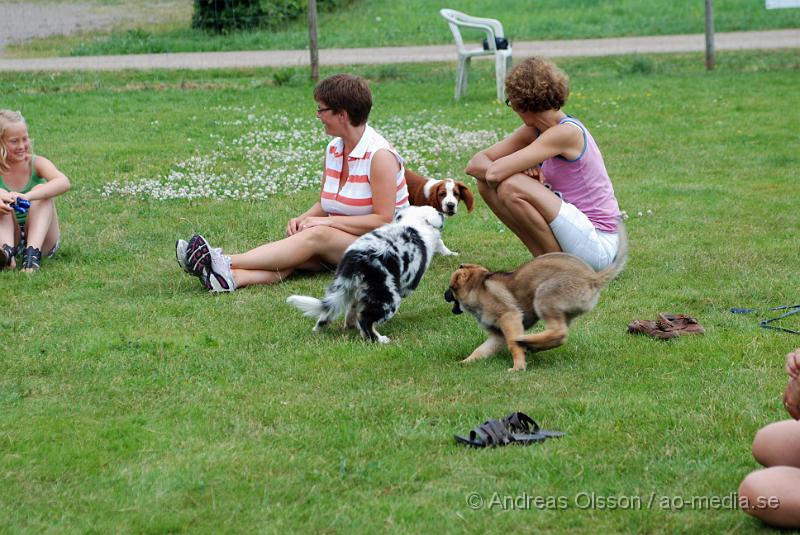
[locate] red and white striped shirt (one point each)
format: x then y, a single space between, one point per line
355 196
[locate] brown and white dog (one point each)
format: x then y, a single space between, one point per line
443 195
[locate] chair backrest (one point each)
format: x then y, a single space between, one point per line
454 19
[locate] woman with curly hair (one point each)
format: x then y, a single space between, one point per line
547 181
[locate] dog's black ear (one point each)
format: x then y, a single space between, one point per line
466 195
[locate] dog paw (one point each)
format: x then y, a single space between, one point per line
517 369
383 339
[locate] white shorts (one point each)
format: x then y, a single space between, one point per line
577 235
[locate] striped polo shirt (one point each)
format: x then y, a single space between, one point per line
355 197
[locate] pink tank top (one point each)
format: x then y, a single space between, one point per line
584 182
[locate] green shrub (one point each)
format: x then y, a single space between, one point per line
283 76
225 16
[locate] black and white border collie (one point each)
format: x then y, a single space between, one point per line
377 271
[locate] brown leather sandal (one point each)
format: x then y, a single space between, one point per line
667 326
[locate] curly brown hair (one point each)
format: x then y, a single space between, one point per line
346 92
537 85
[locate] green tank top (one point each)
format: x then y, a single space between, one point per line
35 180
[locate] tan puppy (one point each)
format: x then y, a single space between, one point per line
444 195
555 287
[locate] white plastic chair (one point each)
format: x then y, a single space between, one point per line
493 29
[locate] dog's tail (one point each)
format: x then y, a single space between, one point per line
332 305
309 306
607 275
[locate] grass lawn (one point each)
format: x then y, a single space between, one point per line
131 401
409 22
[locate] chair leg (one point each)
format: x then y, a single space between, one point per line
462 76
501 66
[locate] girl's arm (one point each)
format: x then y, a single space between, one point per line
57 182
383 170
564 140
519 139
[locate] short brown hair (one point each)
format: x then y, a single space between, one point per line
537 85
346 92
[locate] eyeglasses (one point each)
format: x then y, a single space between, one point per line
320 110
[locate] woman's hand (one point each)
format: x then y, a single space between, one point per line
793 363
535 172
309 222
6 199
293 227
299 224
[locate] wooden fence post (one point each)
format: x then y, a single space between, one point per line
313 44
710 60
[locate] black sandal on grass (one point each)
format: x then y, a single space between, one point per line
522 423
6 255
495 433
31 258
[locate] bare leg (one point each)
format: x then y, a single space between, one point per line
778 444
273 262
771 494
8 227
489 194
526 207
42 226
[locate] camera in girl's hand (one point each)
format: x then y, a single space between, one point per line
21 205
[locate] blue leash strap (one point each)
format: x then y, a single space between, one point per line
793 309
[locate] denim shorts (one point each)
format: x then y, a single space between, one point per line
577 235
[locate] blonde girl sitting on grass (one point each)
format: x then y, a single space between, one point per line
24 175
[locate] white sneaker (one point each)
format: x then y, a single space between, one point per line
219 275
180 255
196 255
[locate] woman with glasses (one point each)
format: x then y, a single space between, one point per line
547 181
362 186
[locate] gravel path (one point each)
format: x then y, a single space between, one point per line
20 20
296 58
23 20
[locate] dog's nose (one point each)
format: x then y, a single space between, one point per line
448 295
451 205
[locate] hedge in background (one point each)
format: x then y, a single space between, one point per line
224 16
